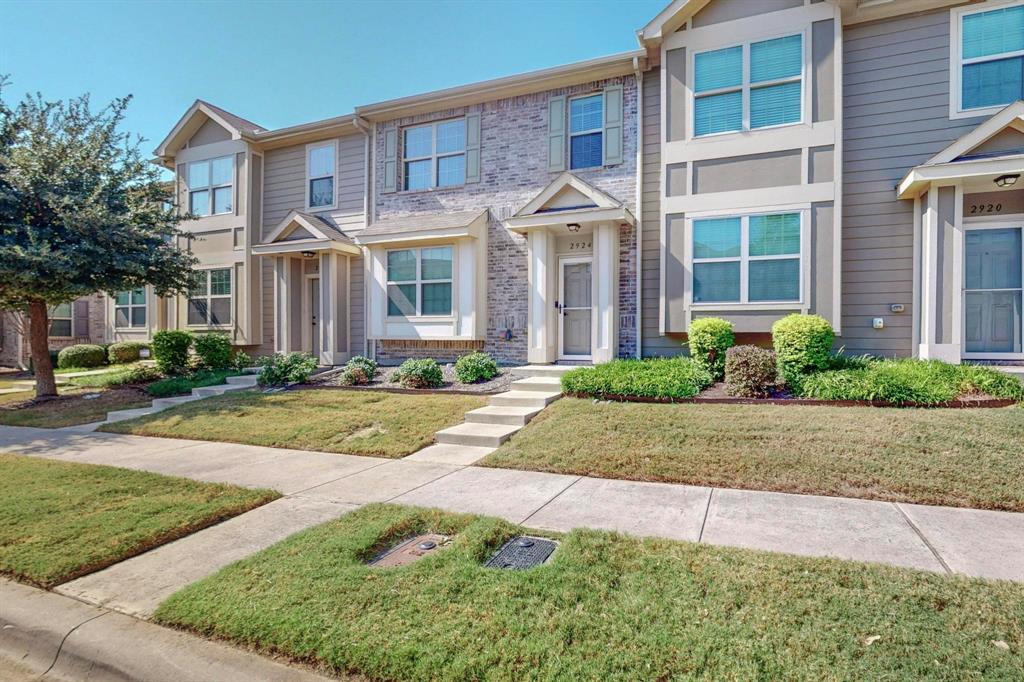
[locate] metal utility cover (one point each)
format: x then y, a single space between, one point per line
521 553
411 550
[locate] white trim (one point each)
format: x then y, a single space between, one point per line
560 218
418 282
333 176
1000 223
916 181
756 200
210 188
562 262
434 157
564 180
568 128
957 62
130 307
209 296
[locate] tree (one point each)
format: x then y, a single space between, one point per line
81 211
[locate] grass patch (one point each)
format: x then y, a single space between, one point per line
961 458
352 422
656 378
119 376
607 607
69 409
184 384
61 520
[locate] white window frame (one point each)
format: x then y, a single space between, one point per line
745 258
957 62
130 308
599 129
210 187
333 144
434 157
746 86
419 282
209 296
70 317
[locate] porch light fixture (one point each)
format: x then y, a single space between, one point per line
1007 180
308 254
573 227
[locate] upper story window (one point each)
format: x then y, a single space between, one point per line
320 165
991 56
586 127
420 281
130 309
755 85
434 155
747 259
60 320
209 299
210 186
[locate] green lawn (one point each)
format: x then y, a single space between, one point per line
963 458
70 409
354 422
184 385
607 607
60 520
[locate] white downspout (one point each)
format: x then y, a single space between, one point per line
639 200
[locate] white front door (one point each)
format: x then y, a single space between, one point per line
993 289
575 308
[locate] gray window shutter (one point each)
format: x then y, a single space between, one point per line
473 146
80 318
556 133
391 160
612 137
182 197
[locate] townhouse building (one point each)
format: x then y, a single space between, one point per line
856 159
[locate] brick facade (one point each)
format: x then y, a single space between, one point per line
14 346
513 170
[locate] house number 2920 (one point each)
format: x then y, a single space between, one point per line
986 208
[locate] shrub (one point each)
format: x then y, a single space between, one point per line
214 350
81 355
750 371
475 367
181 385
124 351
241 361
358 371
170 350
671 378
803 344
841 361
368 366
284 368
709 338
138 374
978 379
425 373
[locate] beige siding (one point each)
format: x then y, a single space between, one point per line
719 11
356 307
896 116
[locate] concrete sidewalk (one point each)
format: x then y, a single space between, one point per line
985 544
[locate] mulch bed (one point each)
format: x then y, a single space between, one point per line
383 382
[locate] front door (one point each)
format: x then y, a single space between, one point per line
992 291
314 312
575 310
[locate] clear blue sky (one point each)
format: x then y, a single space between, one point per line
282 63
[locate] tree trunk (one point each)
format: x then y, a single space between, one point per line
38 339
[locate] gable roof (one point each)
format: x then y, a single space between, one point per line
429 226
583 194
1011 116
301 231
193 119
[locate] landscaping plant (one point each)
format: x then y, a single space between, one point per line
286 368
750 372
358 371
424 373
82 355
137 374
170 350
469 369
241 360
669 378
124 352
213 350
183 384
803 344
709 338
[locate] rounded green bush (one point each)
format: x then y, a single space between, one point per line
368 366
425 373
750 372
214 350
81 355
286 368
469 369
803 344
709 338
124 351
170 350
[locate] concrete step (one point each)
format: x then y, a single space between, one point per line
252 370
480 435
542 384
220 389
122 415
496 414
243 380
541 370
164 403
454 455
535 399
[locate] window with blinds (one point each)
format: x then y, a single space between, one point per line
991 57
747 259
744 87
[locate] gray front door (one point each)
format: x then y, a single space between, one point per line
576 310
314 312
992 290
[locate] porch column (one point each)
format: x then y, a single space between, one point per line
542 275
333 313
605 337
941 274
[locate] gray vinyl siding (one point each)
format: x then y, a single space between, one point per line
895 116
356 306
652 342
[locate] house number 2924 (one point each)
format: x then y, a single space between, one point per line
574 246
986 208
